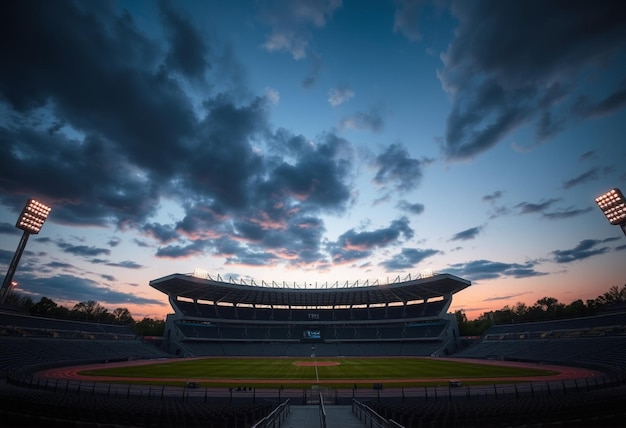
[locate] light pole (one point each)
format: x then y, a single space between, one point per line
613 205
30 221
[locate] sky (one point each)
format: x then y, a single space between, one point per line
313 142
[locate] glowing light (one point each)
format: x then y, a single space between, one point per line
33 216
613 205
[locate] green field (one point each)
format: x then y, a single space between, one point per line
286 371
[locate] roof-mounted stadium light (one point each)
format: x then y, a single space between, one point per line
613 205
30 221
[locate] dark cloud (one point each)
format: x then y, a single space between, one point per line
533 208
487 269
9 229
416 208
492 197
587 108
114 242
104 127
591 154
126 264
161 233
586 176
556 213
467 234
585 249
523 68
396 167
408 258
506 297
566 213
60 265
83 250
353 245
188 52
6 256
181 251
317 66
72 288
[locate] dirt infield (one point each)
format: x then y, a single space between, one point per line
561 373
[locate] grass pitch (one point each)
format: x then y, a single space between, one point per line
291 373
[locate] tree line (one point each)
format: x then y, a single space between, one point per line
89 311
545 309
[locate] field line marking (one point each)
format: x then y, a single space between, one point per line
317 376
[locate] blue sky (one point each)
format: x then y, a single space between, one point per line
314 141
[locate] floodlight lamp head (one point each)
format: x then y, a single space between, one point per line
613 205
33 217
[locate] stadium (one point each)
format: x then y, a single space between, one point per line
219 318
242 354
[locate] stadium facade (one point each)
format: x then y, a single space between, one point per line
213 317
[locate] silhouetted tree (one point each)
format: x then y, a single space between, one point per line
613 296
91 311
150 327
122 316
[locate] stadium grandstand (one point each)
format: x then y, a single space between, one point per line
40 357
407 317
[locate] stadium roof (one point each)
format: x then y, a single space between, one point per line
192 287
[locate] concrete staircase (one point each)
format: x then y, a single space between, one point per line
308 417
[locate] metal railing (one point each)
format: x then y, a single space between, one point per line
276 418
369 417
322 411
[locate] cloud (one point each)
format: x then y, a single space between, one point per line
532 208
126 264
76 289
317 65
371 121
586 176
187 50
487 269
556 214
338 96
6 256
505 297
291 23
111 132
526 68
408 258
467 234
353 245
586 108
585 249
493 197
83 250
396 167
272 95
9 229
415 208
182 251
566 213
406 18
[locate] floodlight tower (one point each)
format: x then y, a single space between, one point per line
613 205
30 221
